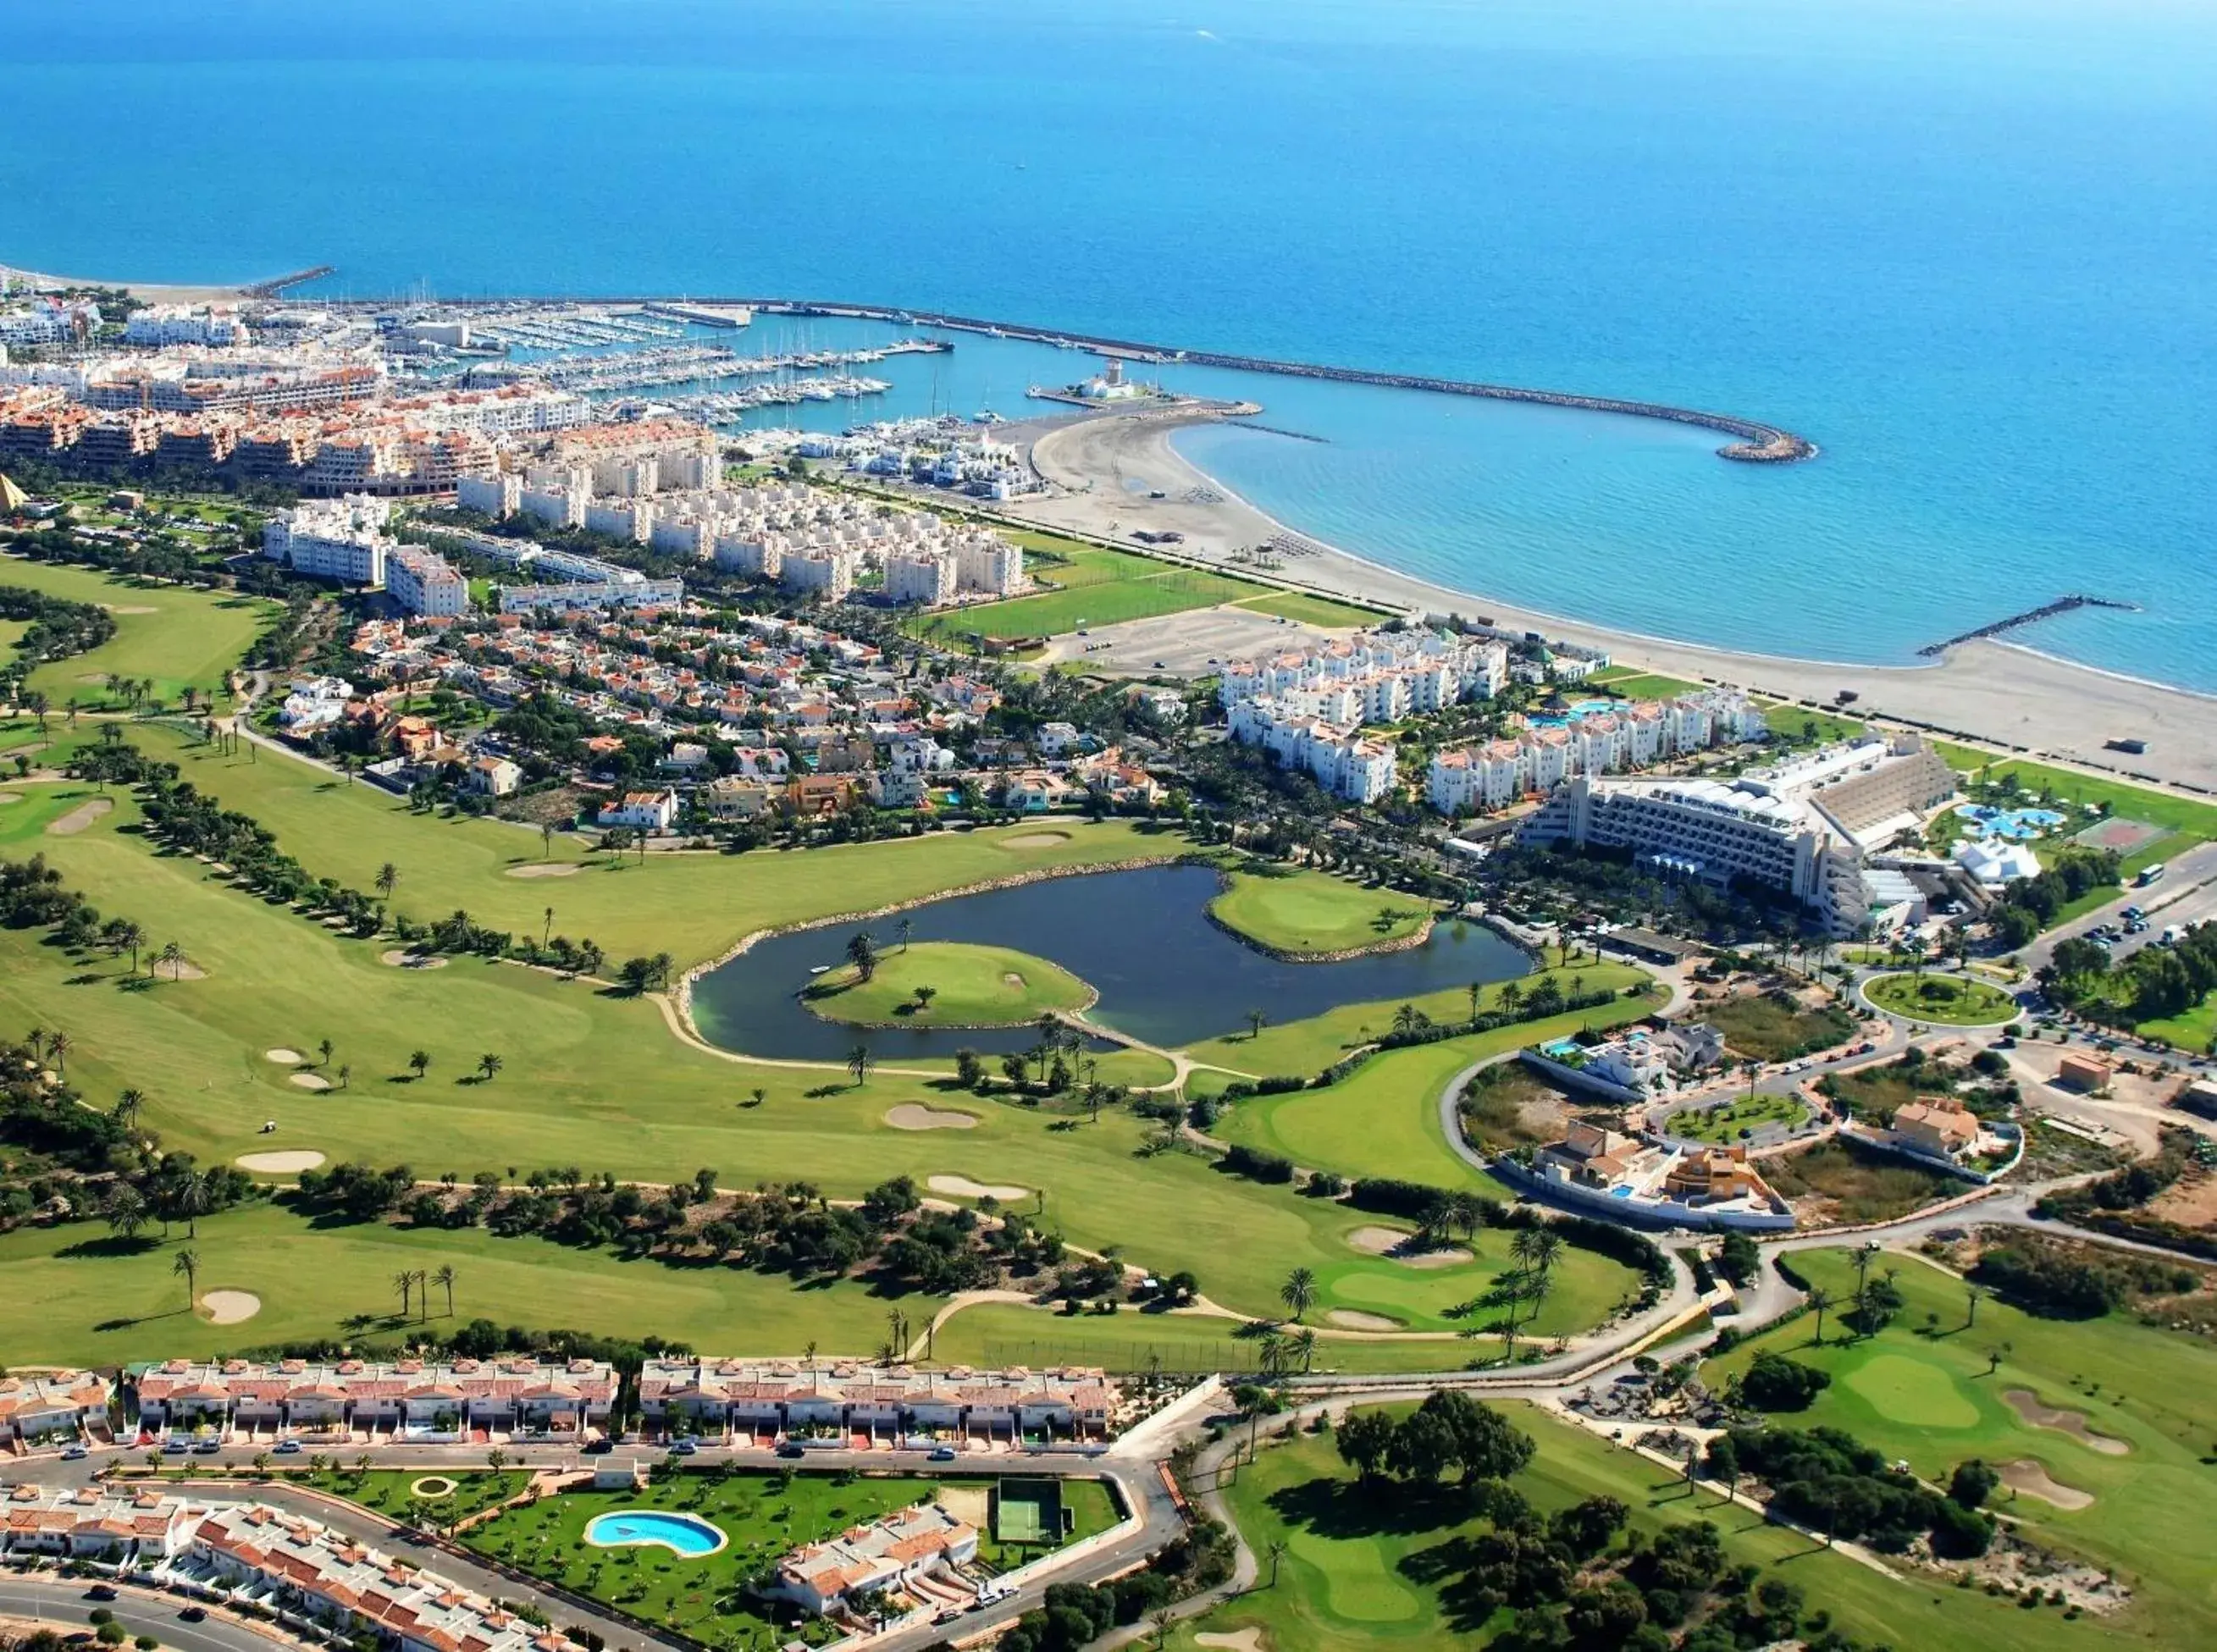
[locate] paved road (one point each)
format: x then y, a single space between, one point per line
2181 881
61 1604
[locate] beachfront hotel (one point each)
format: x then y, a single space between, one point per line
1805 827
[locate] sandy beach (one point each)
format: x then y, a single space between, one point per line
152 291
1996 693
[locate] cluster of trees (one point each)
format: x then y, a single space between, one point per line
1833 1483
1450 1432
2070 1282
2029 905
2152 983
54 628
790 1229
1774 1382
1071 1616
1053 1065
2115 1203
1439 1212
155 555
33 896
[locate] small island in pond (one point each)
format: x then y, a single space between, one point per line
946 983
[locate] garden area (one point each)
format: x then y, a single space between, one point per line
413 1496
1738 1120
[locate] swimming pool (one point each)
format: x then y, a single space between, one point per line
2016 824
687 1536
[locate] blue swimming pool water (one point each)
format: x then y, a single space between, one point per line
688 1535
2016 824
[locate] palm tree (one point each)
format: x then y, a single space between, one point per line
174 956
404 1283
903 928
444 1279
862 953
124 1210
487 1066
387 876
547 932
130 936
1866 1253
187 1262
419 1062
495 1459
127 1106
346 1076
1304 1344
1298 1292
1277 1552
590 958
1256 1020
323 1048
1820 1300
859 1063
423 1295
58 1049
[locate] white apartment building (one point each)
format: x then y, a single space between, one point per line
631 519
926 577
593 594
498 495
423 582
1394 673
827 573
178 323
340 539
1495 773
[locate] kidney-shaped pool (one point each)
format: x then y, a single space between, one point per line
687 1536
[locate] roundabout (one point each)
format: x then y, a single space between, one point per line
1945 1000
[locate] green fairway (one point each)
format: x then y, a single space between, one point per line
1094 587
1307 1047
1311 912
177 637
1928 1390
75 1295
1954 1000
692 906
998 1334
1308 610
968 986
1374 1569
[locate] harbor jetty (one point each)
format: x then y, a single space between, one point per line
275 287
2045 611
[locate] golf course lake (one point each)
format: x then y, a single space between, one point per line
1141 939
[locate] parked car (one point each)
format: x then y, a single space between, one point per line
288 1448
943 1454
74 1452
599 1447
100 1591
790 1449
206 1447
685 1447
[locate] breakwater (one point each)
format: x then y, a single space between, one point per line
275 287
2045 611
1754 443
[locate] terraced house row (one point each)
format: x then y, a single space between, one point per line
357 1399
771 1398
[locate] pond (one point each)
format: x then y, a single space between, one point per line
687 1536
1142 939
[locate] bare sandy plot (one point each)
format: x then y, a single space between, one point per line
283 1056
1355 1319
312 1081
401 958
290 1162
229 1307
968 1501
2027 1405
1242 1639
183 970
2030 1475
126 607
914 1115
80 817
963 1187
1394 1244
547 869
11 797
1035 840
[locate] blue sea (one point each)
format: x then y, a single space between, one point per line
1966 247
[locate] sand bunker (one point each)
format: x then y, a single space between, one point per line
547 869
914 1115
1395 1244
2030 1475
229 1307
312 1081
183 970
11 797
433 1485
2027 1404
400 959
283 1056
280 1164
1244 1640
1355 1320
80 817
963 1187
119 608
1035 840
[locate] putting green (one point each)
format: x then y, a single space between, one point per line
1303 911
1912 1391
968 986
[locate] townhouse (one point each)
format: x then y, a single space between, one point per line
42 1406
770 1399
351 1398
898 1553
94 1523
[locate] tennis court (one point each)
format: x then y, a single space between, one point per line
1027 1510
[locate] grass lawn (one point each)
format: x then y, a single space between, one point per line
693 906
1790 722
75 1296
1628 684
1955 1000
1308 610
1305 911
1376 1568
1726 1123
1000 1334
1927 1396
2192 1029
176 636
393 1491
1859 1184
1771 1029
971 986
1094 587
1309 1046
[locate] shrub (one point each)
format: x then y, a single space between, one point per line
1774 1382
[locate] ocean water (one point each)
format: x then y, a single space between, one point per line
1967 249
